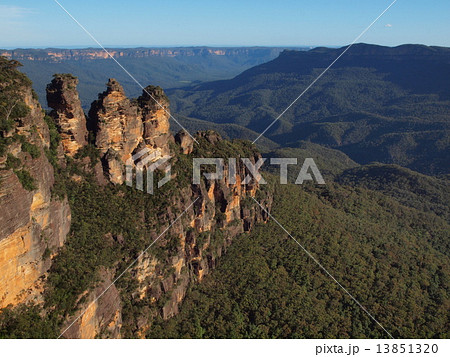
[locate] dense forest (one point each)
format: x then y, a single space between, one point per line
380 225
388 247
392 259
376 103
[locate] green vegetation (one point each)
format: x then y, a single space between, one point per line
89 151
12 106
32 149
64 76
369 107
27 181
26 322
52 151
96 211
267 287
425 193
12 162
392 258
329 161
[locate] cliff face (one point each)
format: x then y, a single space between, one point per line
220 213
32 224
123 127
67 112
59 55
103 317
154 109
162 276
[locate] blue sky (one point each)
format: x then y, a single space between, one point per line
33 23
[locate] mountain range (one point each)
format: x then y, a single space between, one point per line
376 103
84 255
167 67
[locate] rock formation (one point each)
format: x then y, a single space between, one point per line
123 127
185 141
67 112
154 108
32 224
223 210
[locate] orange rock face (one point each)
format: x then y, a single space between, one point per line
118 125
67 112
31 222
100 313
20 267
154 107
123 127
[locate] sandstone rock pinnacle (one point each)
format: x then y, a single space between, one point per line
122 127
62 97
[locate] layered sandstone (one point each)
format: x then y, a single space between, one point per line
154 110
123 127
63 98
222 211
103 314
118 129
32 224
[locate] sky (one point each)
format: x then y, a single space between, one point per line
42 23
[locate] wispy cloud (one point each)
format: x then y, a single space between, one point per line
388 25
11 12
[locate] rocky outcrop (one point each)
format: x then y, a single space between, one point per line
183 255
122 127
185 141
102 316
62 96
116 122
154 109
32 224
223 210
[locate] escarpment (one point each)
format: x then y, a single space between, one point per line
213 213
172 238
33 224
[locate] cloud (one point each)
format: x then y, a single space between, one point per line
388 25
11 12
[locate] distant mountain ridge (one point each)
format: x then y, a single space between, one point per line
417 67
390 105
167 67
58 55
